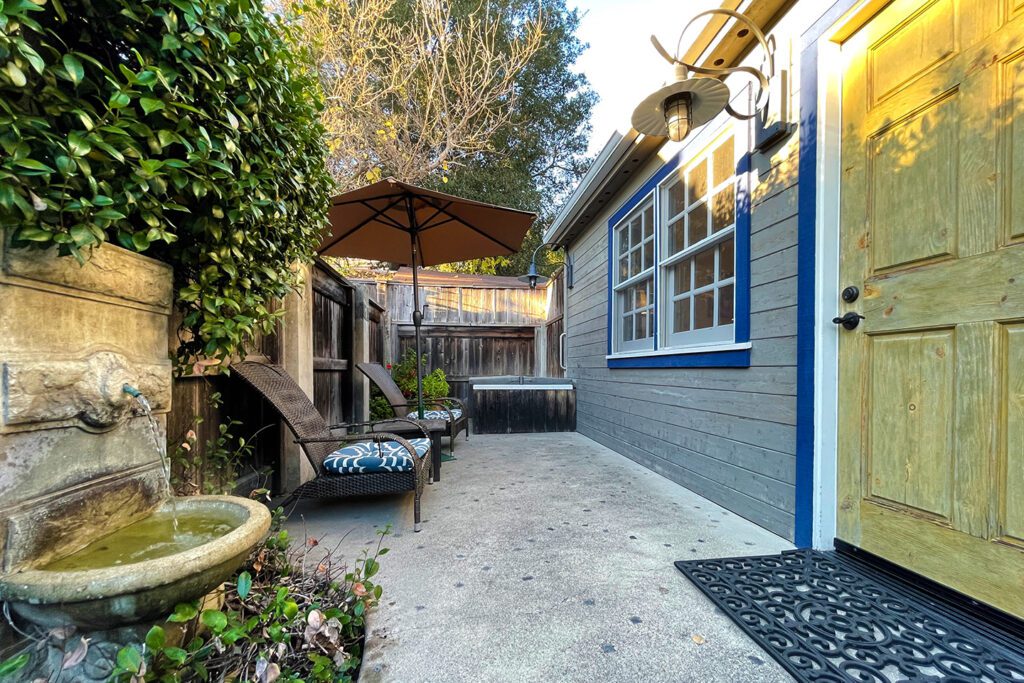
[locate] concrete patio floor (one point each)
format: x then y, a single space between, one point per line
547 557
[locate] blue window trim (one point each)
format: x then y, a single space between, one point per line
803 532
708 359
734 358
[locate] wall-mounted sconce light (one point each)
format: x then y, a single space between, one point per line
697 95
533 278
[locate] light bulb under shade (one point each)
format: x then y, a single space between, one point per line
708 98
533 280
677 116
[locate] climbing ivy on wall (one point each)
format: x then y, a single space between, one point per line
187 130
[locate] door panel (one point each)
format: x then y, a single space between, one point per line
914 157
1011 513
918 42
1014 78
911 421
931 425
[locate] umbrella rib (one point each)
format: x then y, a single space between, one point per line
471 227
426 224
360 226
384 218
359 201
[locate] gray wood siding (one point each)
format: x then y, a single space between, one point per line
726 433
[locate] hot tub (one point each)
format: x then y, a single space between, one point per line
518 404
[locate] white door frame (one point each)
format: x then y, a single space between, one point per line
827 181
826 291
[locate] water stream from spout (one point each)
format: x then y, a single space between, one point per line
161 447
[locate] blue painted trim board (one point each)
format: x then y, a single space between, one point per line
803 531
610 320
712 359
741 314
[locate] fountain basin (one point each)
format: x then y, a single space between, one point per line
106 597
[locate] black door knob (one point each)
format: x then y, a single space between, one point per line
849 321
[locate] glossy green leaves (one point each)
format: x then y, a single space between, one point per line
199 143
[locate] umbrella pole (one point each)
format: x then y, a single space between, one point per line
417 315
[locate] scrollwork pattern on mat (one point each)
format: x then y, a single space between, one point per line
824 618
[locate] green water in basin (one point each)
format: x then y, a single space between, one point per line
148 539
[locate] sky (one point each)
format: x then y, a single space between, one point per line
621 64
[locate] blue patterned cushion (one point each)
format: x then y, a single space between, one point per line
435 414
366 457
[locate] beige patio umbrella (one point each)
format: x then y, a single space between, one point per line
408 225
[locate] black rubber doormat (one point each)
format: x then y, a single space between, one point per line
827 617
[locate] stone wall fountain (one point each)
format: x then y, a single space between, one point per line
89 539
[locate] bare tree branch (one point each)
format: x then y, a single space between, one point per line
410 96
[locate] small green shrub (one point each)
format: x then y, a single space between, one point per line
435 384
212 467
188 130
285 618
380 409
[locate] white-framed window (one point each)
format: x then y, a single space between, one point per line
633 289
697 258
675 279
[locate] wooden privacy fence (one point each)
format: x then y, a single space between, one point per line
554 328
464 352
192 410
375 336
473 325
461 305
333 310
333 388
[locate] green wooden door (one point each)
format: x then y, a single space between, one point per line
931 384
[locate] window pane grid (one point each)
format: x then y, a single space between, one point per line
636 306
699 233
705 218
681 239
635 237
634 281
714 299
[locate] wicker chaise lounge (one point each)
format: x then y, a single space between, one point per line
346 465
435 408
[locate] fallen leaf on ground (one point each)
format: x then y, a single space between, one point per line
76 656
697 638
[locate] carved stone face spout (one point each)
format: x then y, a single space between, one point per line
89 390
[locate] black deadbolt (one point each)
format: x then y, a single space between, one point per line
850 294
849 321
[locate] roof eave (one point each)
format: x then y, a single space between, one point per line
718 44
613 167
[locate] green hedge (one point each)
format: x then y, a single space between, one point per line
185 129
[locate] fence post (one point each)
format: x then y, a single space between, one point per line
295 354
360 354
540 353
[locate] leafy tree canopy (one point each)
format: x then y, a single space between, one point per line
536 159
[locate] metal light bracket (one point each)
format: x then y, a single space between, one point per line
695 79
